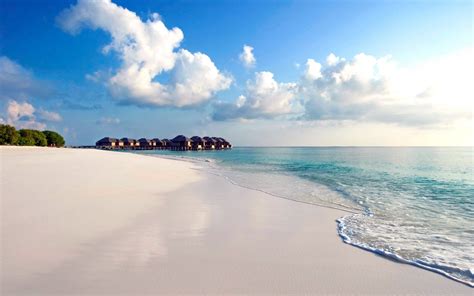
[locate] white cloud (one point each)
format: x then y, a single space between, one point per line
313 70
22 115
19 111
25 115
108 121
366 88
17 82
264 98
246 56
332 59
147 49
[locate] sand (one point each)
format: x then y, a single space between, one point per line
89 222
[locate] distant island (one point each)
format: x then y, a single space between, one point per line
178 143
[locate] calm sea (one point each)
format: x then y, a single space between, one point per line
415 205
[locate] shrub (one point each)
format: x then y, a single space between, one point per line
32 137
8 135
26 141
54 139
28 137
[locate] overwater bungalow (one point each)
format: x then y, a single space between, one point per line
145 143
209 143
181 142
106 143
158 144
219 143
166 143
129 143
197 143
226 143
119 144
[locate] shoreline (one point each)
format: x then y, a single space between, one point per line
339 221
176 230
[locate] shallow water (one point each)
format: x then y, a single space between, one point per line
415 205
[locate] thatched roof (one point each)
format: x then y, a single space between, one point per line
128 140
180 138
197 139
107 140
209 139
156 140
166 142
143 140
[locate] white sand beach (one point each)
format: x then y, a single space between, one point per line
90 222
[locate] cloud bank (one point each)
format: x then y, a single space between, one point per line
364 88
264 98
146 50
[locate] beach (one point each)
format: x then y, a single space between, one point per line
91 222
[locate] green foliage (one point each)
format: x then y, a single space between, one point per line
8 135
26 141
32 138
54 139
28 137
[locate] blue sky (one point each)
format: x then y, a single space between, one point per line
58 67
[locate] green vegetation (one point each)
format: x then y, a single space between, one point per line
32 138
8 135
54 139
28 137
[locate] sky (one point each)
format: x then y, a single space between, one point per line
258 73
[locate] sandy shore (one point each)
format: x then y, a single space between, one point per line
88 222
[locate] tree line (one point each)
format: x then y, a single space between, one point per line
29 137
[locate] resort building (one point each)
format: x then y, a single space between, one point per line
181 143
209 143
166 144
106 143
178 143
197 143
129 143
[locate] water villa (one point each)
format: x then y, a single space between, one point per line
178 143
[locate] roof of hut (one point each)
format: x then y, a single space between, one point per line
107 140
218 140
180 138
209 139
129 140
156 140
196 139
143 140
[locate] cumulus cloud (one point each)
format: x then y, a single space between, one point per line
16 82
108 121
25 115
313 70
246 56
147 49
366 88
264 98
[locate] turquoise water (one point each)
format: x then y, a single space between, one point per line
415 205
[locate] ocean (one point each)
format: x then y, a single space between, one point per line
413 204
